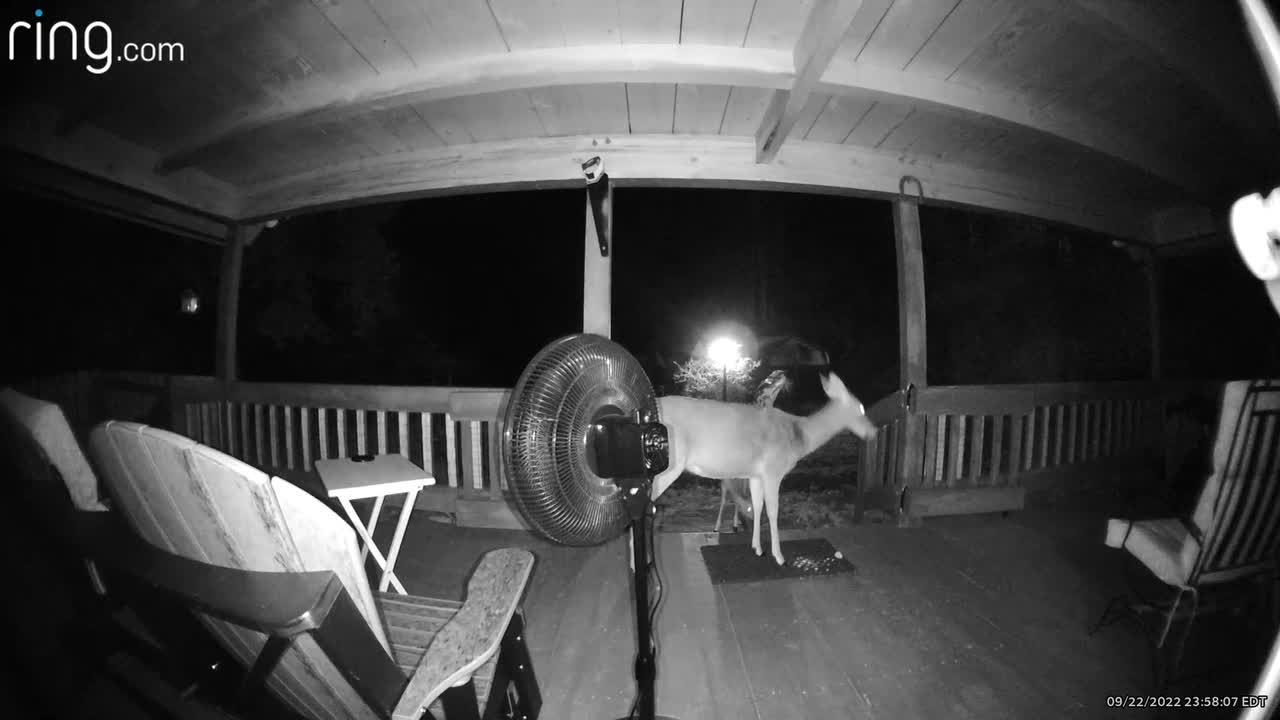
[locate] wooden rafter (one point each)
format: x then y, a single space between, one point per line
688 161
825 28
711 65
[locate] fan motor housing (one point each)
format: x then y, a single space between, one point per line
622 447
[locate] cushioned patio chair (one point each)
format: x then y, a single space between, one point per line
72 630
283 589
1233 532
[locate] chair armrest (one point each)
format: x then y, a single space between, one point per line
283 604
474 634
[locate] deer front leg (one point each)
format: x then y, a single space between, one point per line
757 502
771 504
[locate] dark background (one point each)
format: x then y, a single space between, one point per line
464 290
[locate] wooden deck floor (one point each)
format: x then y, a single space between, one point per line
977 617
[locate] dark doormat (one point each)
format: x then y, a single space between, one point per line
736 562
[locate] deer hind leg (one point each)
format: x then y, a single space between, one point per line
757 503
724 498
771 487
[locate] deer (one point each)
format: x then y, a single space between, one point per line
722 441
736 489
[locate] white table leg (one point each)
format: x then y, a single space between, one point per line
373 525
410 499
368 539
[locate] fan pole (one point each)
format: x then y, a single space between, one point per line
646 667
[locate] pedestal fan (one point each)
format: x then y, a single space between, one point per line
582 442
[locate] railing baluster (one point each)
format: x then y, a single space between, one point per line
305 421
955 447
288 436
427 455
1072 436
997 448
928 472
274 437
1015 446
257 431
402 424
451 451
1104 429
362 432
491 447
341 423
976 439
475 450
323 426
382 431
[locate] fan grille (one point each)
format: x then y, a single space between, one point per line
544 442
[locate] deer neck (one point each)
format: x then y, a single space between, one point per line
820 427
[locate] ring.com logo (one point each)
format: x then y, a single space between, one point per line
96 40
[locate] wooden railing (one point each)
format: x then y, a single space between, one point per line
979 446
940 450
452 432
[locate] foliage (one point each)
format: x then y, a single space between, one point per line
702 378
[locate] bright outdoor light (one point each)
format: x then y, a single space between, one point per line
724 352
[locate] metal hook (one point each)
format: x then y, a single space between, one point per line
902 186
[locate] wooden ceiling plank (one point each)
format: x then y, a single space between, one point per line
360 25
967 27
697 65
878 123
809 116
433 31
590 22
745 111
529 24
700 108
777 24
839 117
498 116
1159 34
823 32
724 162
324 49
650 21
716 22
904 30
651 107
860 30
1087 131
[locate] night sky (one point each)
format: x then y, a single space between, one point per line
464 290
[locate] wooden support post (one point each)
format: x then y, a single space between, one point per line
229 303
596 274
911 344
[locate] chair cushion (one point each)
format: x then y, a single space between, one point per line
1164 546
48 425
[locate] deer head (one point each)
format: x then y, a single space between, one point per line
850 411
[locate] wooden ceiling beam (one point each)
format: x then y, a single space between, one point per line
711 65
702 160
823 32
40 178
109 162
